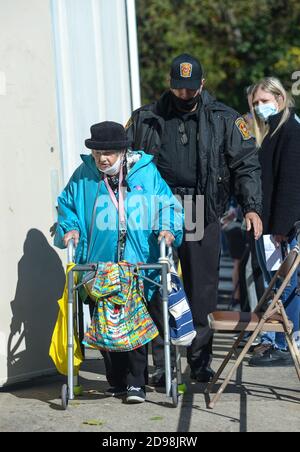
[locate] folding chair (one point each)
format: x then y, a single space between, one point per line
274 318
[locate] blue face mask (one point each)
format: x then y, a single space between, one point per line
264 111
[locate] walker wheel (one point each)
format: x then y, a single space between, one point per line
174 392
182 389
64 396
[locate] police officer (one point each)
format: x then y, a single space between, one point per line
201 148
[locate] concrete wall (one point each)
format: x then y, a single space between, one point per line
64 65
94 70
31 271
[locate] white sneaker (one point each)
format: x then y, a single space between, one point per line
136 394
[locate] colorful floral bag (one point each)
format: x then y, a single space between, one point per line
106 281
121 321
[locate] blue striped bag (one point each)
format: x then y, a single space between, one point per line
182 331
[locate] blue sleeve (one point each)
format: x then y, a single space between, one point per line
170 217
67 216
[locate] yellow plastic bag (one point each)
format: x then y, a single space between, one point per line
179 270
59 342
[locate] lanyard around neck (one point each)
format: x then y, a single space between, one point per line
119 205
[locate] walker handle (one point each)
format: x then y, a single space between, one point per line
163 248
165 251
71 251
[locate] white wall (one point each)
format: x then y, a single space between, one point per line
31 271
94 71
64 65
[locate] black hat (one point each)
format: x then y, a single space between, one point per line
186 72
109 136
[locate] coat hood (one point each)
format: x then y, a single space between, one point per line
136 159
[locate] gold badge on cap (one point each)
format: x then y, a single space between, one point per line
186 70
243 128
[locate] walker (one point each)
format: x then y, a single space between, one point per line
174 384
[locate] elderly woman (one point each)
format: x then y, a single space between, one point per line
277 132
117 207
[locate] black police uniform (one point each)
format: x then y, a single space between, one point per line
210 155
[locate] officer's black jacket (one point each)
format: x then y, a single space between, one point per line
228 161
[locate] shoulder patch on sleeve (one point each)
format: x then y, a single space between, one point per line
243 128
129 123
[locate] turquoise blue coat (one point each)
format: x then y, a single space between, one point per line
85 205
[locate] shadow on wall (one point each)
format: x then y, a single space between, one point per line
40 284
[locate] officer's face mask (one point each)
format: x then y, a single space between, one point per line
264 111
185 104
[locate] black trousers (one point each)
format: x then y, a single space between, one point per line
125 368
200 269
129 368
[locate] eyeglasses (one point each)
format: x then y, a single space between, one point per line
184 138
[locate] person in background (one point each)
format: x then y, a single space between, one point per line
250 274
277 133
236 241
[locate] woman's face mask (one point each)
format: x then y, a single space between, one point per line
264 111
107 162
265 103
114 169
